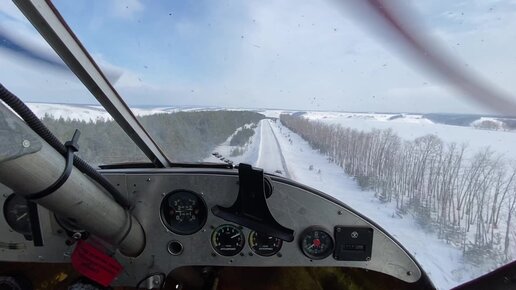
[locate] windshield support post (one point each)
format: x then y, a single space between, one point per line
53 28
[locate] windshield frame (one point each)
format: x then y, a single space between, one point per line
45 17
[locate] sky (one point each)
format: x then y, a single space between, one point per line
301 55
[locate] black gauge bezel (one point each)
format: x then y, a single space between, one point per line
236 252
15 228
202 203
310 230
256 251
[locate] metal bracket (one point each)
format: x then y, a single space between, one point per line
250 209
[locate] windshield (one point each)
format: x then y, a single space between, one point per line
319 92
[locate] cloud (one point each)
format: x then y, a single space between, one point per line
290 54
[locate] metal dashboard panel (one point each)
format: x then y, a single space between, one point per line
292 206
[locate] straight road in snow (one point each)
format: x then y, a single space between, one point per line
270 156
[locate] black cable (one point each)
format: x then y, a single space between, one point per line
37 126
71 148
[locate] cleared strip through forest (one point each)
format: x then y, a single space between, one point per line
469 200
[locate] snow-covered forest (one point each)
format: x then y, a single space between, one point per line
183 136
469 200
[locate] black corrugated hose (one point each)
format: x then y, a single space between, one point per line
35 124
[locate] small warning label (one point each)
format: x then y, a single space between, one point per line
95 264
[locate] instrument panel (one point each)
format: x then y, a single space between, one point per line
174 208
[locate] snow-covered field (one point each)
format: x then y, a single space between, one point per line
414 126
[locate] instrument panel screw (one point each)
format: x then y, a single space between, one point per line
148 179
163 194
26 143
368 258
242 254
279 255
409 273
339 212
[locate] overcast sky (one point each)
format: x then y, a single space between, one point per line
264 54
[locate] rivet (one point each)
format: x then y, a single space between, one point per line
26 143
409 273
339 212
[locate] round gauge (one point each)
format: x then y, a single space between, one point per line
183 212
264 245
16 213
316 243
227 240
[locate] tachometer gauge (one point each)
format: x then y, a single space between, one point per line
264 245
183 212
227 240
316 243
16 213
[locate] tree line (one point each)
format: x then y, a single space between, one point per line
183 136
469 200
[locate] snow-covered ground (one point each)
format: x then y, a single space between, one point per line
415 126
442 262
262 150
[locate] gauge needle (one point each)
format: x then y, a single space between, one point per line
22 216
235 235
311 246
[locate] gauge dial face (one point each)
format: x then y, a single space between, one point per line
227 240
264 245
16 213
316 243
183 212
